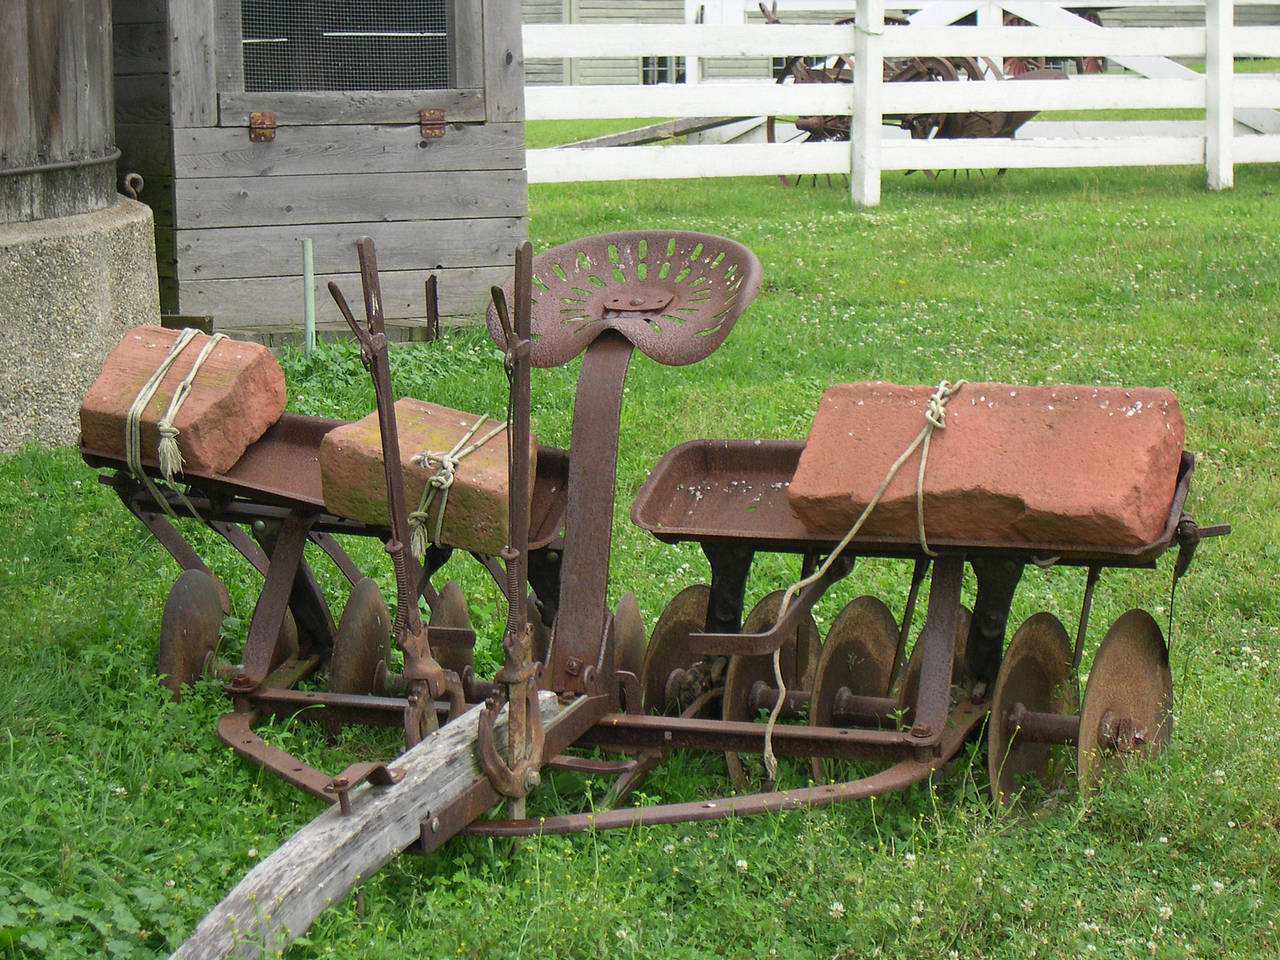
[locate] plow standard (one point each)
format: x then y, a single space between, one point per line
1102 484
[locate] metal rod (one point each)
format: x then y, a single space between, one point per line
1038 727
1095 571
904 631
111 157
308 296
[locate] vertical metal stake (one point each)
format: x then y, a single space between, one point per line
308 297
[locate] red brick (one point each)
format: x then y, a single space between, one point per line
1068 465
237 394
476 514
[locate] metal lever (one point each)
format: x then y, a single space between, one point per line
410 632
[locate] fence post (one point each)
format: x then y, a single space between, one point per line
1219 115
864 127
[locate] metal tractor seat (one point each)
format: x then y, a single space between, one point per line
674 295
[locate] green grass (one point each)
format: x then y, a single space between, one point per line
122 819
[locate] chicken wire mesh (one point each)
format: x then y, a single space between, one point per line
345 45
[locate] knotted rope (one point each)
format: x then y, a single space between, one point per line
935 419
168 454
170 459
445 466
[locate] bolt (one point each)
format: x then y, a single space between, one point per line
531 779
435 824
637 301
573 666
920 731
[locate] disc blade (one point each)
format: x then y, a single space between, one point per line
1127 709
362 641
1036 672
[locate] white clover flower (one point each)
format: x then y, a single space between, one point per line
836 910
668 848
1165 911
741 865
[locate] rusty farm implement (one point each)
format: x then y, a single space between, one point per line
576 673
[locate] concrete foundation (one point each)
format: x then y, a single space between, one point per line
69 289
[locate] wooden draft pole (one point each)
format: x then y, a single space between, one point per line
435 797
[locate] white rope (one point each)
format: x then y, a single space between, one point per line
167 454
133 419
935 419
445 466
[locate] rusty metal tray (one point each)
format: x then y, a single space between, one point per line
282 468
721 491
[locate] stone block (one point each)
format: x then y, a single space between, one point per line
237 394
476 511
1066 465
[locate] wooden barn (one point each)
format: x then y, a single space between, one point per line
257 123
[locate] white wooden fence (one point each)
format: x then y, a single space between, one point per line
1240 124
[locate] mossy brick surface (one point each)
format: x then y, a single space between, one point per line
237 394
1069 465
476 515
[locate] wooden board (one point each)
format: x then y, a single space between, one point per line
271 301
142 99
192 87
352 149
138 11
258 201
503 61
321 863
140 47
232 252
350 106
145 148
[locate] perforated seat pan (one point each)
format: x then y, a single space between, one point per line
675 295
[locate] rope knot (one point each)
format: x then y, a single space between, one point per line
445 466
445 472
937 412
168 454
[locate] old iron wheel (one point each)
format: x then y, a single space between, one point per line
1036 672
1127 708
450 610
629 636
800 652
911 677
813 129
668 649
858 656
362 643
189 630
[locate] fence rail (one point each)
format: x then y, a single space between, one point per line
1240 124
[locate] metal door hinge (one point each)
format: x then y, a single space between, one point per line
262 126
430 124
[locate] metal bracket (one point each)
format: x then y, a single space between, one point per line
378 774
262 126
517 780
430 123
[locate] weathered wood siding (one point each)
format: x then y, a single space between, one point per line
341 165
57 149
143 130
